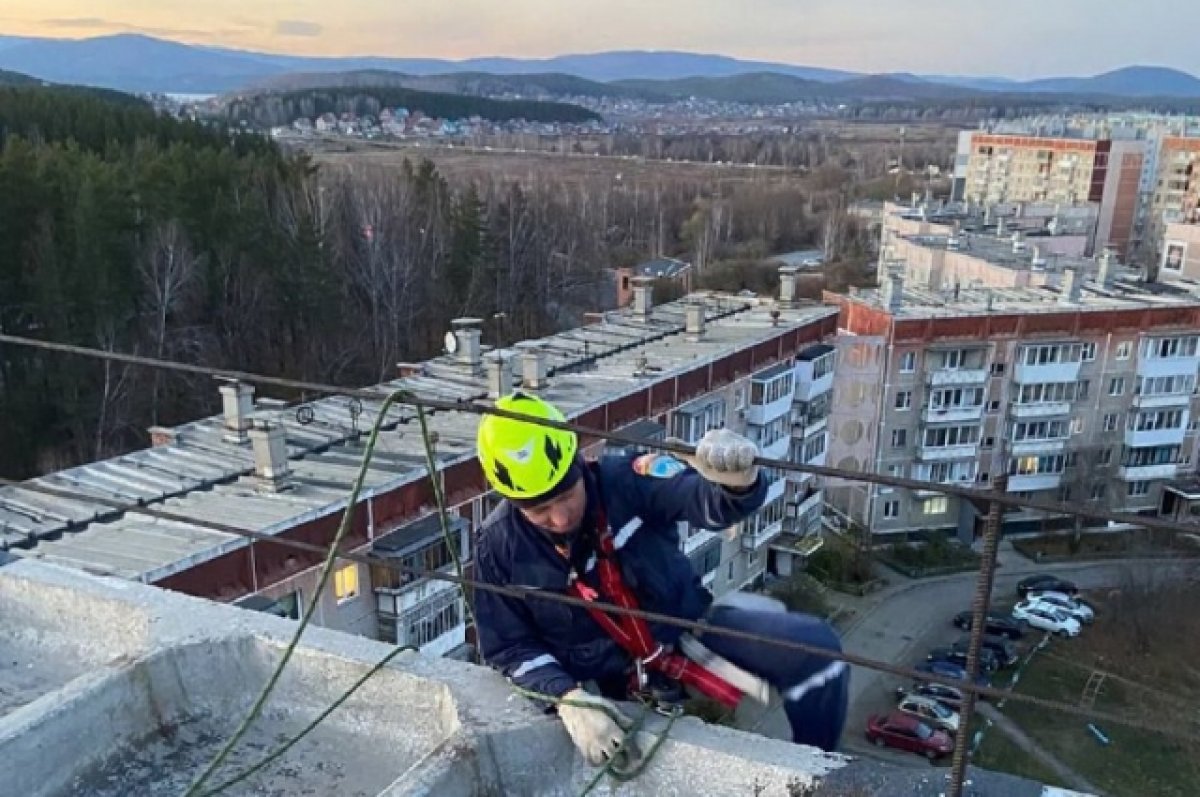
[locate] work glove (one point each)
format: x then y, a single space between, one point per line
726 458
592 727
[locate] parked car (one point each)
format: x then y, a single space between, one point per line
996 624
952 671
1045 582
1046 618
1075 607
987 660
906 732
1004 651
931 712
948 696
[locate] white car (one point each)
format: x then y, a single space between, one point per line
1072 606
1046 617
929 711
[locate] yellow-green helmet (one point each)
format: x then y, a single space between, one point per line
523 460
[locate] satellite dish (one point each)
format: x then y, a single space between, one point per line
451 341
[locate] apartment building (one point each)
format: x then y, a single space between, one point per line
1180 259
997 168
1176 190
756 364
1082 392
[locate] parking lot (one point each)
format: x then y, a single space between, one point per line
902 624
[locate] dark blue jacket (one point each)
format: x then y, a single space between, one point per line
550 647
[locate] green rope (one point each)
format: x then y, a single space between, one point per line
288 745
326 570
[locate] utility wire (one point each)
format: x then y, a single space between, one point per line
978 496
525 593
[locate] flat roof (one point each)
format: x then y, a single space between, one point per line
201 475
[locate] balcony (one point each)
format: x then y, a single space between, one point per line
1168 366
1033 482
1029 448
943 453
1048 373
775 491
752 542
952 414
1159 400
953 377
809 388
779 449
964 480
1047 409
1143 473
1147 438
763 414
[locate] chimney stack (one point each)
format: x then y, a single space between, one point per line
1070 290
643 301
787 285
893 293
694 317
1105 275
499 375
237 402
534 369
467 333
271 470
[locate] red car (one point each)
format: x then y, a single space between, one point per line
906 732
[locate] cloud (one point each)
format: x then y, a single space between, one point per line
298 27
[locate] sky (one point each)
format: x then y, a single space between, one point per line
1014 38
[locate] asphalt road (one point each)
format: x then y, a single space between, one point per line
900 624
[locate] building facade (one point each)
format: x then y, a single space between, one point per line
1080 393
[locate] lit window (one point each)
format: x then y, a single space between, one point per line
345 583
935 506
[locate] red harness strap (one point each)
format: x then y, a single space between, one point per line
632 633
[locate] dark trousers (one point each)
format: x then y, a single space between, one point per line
815 689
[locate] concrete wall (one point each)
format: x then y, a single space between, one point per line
169 676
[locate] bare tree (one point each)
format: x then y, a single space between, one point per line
168 267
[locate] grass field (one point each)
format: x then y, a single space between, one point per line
1135 763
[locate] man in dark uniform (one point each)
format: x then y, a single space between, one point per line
548 534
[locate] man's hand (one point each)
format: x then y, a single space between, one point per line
591 725
726 458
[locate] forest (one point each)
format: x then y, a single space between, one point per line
132 232
275 109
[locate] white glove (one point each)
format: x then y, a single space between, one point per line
726 458
593 729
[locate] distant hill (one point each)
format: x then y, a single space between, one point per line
543 85
1133 81
138 63
772 88
17 79
282 108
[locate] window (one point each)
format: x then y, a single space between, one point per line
956 398
945 436
431 619
1052 353
1155 420
1105 456
899 438
997 369
729 572
984 478
345 583
1150 455
896 470
1052 392
1124 349
1077 425
1110 422
1137 489
935 506
994 406
1064 493
908 362
814 448
1116 386
739 398
903 399
1089 352
1040 430
954 359
891 509
1097 492
823 365
1072 459
1029 466
1165 385
1162 348
988 442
